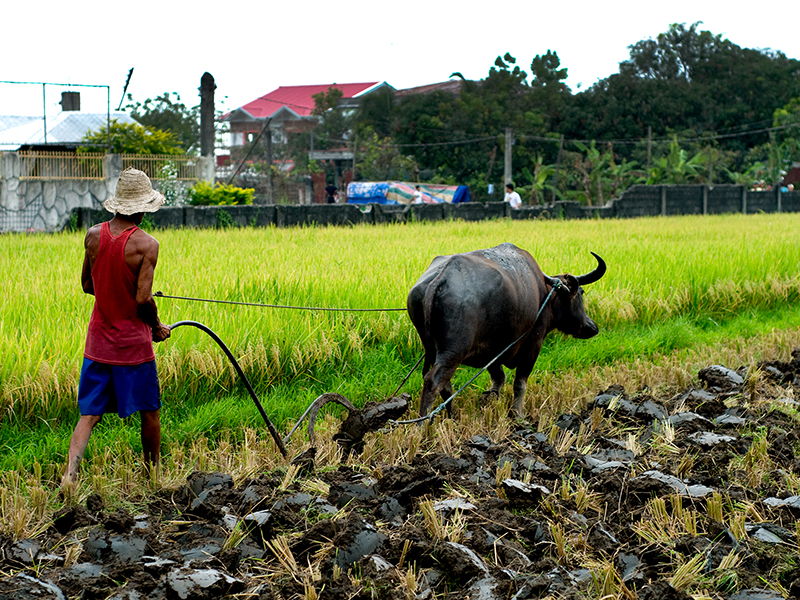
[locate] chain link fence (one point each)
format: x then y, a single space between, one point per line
35 114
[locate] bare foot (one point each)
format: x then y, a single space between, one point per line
69 486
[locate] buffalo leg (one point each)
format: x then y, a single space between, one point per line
498 376
520 388
446 392
435 382
523 372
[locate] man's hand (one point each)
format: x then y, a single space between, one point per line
161 332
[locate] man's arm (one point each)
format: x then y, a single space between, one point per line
91 245
148 312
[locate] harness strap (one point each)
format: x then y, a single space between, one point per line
556 286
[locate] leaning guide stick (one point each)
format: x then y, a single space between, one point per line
221 344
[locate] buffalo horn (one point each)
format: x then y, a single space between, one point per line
594 275
551 281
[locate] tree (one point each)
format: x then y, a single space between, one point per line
679 53
376 111
787 118
169 114
546 72
380 159
131 138
686 80
335 124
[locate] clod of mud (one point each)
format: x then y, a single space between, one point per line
791 501
709 439
613 458
72 517
646 410
523 494
687 417
453 504
719 378
757 594
360 539
662 590
678 485
729 419
199 584
25 587
372 417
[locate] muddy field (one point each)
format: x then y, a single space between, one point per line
638 496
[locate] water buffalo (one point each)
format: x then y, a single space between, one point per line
468 307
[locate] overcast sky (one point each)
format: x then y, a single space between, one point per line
252 47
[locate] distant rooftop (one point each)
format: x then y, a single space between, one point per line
65 128
453 86
298 100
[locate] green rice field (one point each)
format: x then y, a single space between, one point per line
673 285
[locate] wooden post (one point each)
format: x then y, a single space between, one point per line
507 165
207 87
558 164
744 199
649 146
778 197
705 199
663 201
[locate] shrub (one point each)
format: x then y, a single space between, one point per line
131 138
204 194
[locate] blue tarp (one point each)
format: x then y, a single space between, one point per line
398 192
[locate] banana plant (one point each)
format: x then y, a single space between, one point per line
750 176
594 171
539 180
675 167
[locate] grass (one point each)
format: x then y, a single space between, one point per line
678 291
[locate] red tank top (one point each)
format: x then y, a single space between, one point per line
117 336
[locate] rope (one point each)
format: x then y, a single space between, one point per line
438 409
162 295
402 383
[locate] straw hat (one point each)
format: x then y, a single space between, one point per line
135 194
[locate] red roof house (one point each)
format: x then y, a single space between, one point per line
290 109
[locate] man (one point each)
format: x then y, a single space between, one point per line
418 196
119 370
512 197
331 190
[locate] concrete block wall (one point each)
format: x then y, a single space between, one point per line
725 199
637 202
48 205
33 205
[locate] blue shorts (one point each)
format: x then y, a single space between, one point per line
121 389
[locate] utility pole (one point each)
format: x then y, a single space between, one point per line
509 143
355 149
207 87
268 160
